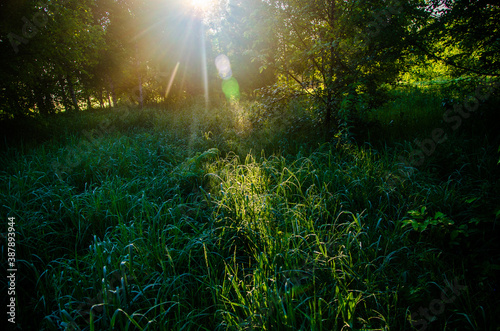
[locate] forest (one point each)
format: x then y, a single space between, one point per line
250 164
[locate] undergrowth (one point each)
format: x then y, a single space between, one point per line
193 219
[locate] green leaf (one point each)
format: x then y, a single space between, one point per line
471 200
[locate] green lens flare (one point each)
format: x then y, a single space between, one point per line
231 89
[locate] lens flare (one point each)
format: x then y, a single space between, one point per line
230 85
231 89
223 66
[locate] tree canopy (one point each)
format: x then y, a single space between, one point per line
66 54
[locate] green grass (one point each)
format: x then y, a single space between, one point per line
191 219
418 106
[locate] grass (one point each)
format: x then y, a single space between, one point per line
191 219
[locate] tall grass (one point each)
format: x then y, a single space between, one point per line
175 220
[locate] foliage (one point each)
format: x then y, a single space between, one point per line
177 220
65 55
468 27
325 49
420 221
41 71
95 52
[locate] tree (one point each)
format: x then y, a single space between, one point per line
244 33
472 27
327 49
49 45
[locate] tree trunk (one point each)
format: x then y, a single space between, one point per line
141 102
138 64
49 102
40 102
89 103
101 101
72 93
64 95
330 94
109 100
113 92
44 99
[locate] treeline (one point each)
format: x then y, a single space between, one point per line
67 54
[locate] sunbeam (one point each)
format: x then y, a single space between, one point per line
204 65
171 81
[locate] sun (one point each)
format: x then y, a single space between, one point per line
206 9
202 5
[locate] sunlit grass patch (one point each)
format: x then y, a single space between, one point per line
286 213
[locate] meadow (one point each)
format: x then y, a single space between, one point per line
208 218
